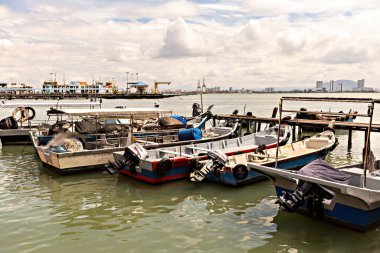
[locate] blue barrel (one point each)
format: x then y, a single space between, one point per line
190 134
179 118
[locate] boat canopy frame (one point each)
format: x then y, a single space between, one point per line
371 104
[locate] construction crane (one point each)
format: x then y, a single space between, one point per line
156 86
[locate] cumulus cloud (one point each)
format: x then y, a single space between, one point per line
181 41
284 7
345 55
256 44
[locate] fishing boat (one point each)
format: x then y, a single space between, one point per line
70 152
344 202
166 164
14 130
347 195
234 172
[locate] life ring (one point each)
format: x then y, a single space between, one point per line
164 166
240 172
31 109
24 115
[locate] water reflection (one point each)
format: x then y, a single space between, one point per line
297 233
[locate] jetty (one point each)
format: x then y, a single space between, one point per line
51 96
254 123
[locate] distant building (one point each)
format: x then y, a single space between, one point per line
319 85
269 89
331 88
361 84
140 87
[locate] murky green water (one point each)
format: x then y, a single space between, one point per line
41 211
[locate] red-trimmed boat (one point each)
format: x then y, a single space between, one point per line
166 164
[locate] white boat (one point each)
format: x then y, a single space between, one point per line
172 163
347 196
95 151
14 130
344 203
290 156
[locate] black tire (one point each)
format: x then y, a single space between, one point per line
33 112
164 166
240 172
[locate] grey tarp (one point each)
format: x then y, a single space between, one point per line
321 169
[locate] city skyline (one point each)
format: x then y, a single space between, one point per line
249 44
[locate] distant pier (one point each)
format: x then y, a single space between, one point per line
11 96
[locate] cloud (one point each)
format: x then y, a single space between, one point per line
252 43
345 55
5 43
181 41
285 7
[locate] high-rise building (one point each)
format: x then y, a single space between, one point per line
331 85
361 84
319 85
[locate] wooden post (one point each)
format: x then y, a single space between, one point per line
349 145
278 133
274 114
299 135
294 133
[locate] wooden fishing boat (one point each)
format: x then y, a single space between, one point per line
166 164
290 156
65 154
351 204
14 130
93 152
348 195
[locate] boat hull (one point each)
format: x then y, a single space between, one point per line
227 177
342 214
181 168
70 163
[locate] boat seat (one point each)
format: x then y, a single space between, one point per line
173 153
316 143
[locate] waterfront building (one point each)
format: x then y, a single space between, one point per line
269 89
361 84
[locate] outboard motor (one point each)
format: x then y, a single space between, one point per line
311 192
8 123
131 158
197 110
217 161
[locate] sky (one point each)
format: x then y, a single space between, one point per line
249 44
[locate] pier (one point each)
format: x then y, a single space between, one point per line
11 96
254 123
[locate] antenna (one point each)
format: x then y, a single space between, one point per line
137 77
127 82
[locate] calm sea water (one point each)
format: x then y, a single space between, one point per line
41 211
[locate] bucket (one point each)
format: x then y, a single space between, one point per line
190 134
179 118
8 123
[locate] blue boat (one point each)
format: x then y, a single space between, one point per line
320 193
290 156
